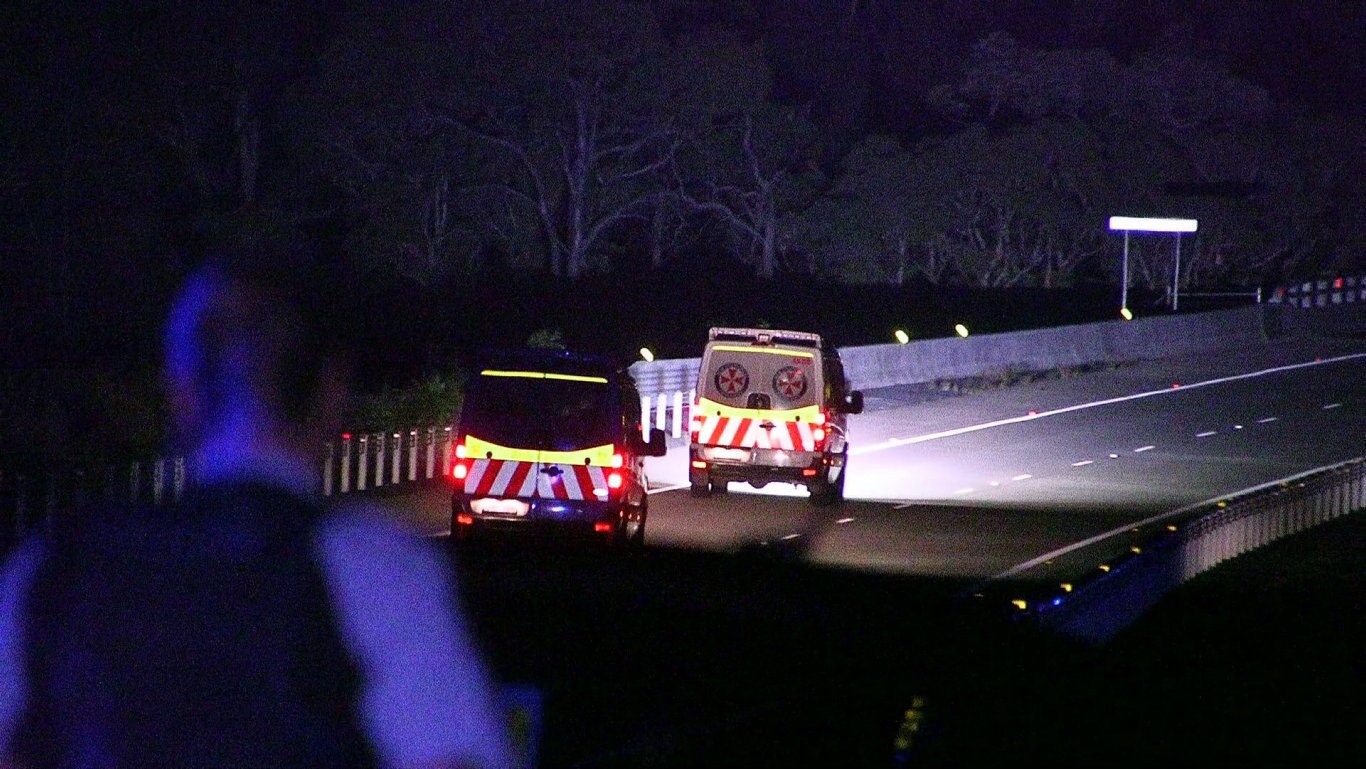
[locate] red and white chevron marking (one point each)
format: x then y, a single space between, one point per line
747 433
509 478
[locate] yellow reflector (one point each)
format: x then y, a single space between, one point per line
902 336
1105 567
1126 314
1171 527
1136 549
543 375
1020 604
1066 587
961 329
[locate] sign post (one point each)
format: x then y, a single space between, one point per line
1127 224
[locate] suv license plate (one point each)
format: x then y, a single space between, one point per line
514 507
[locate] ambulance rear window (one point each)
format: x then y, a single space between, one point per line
761 377
521 410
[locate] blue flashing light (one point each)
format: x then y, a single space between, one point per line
1057 601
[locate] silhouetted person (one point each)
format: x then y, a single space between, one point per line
248 625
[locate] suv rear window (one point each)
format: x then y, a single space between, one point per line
761 377
550 414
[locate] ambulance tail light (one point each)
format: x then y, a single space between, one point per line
617 461
460 470
819 432
614 481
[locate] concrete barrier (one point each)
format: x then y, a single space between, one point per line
882 365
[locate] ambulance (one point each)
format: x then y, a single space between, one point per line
551 442
771 406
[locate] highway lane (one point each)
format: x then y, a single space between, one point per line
974 486
1014 485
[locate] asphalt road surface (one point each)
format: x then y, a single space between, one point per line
1036 480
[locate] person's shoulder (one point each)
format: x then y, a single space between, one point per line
366 538
363 521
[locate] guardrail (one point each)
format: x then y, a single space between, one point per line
1121 591
353 463
1321 293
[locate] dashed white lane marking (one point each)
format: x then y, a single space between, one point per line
964 490
845 520
1332 406
895 442
1084 463
1264 420
1237 427
1207 433
1114 456
790 536
1142 449
1022 477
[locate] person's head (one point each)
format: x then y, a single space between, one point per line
246 350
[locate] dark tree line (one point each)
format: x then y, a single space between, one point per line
437 143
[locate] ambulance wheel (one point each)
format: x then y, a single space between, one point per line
826 492
699 486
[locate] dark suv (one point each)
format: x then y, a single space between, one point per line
551 440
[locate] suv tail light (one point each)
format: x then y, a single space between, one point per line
460 465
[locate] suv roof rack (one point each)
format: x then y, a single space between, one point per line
765 336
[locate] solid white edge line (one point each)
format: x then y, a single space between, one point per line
1084 463
1012 571
1332 406
1264 420
845 520
895 442
1022 477
1142 449
1207 433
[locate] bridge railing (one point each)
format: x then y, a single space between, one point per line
1096 610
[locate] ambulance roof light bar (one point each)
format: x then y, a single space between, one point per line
765 336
